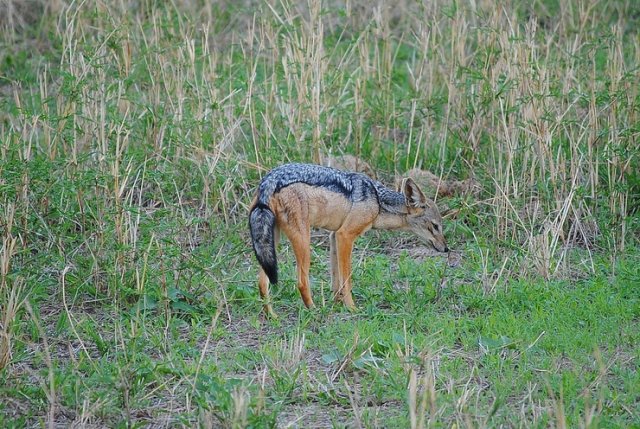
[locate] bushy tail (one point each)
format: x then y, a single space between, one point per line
262 222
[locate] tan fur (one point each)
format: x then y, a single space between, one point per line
300 207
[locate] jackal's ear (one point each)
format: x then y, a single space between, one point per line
414 196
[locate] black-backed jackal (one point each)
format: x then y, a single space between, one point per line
293 198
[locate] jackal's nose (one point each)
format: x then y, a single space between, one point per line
446 249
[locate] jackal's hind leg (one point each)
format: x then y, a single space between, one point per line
335 269
300 239
344 247
263 284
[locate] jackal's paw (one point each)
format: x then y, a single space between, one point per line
268 311
348 302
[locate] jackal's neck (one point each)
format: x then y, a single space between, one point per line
393 209
391 221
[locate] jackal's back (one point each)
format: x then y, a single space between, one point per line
355 186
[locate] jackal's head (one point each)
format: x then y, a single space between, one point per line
424 218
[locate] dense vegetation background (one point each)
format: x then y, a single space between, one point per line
133 135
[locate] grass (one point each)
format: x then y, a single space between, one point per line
133 136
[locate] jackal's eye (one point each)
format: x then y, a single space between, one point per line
436 227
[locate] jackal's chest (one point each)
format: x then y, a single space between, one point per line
312 205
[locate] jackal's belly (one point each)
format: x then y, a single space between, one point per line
315 205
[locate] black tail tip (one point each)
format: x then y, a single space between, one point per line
272 274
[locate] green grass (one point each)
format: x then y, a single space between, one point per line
133 136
